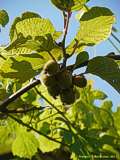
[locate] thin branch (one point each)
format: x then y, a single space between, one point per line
2 57
114 36
52 56
16 95
66 24
39 93
33 129
109 55
23 90
113 45
52 115
75 47
23 110
69 124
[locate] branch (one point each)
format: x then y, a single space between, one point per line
16 95
113 44
33 129
69 124
24 110
109 55
66 24
20 92
116 38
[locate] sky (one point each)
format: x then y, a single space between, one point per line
46 10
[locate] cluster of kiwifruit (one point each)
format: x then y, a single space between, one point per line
60 82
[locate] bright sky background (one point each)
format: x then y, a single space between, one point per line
46 10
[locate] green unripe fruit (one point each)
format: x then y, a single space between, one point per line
67 96
80 81
54 91
51 67
64 79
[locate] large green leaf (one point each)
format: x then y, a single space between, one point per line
25 144
46 145
69 5
78 4
107 69
81 58
4 18
97 94
22 68
30 24
116 116
28 45
95 26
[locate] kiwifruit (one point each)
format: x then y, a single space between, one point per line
67 96
64 79
51 67
54 91
80 81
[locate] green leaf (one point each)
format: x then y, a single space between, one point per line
70 48
3 94
28 45
78 4
107 69
95 26
107 105
81 58
22 68
110 148
25 144
4 18
116 117
69 5
97 94
6 140
67 137
31 25
45 128
46 145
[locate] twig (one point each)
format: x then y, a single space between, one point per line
16 95
74 47
51 56
71 67
114 36
113 45
69 124
48 117
31 128
23 110
20 92
66 24
2 57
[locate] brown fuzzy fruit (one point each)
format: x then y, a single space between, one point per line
51 67
48 80
64 79
54 91
67 96
80 81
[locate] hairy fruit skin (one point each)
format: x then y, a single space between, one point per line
48 80
79 81
67 96
51 67
54 91
64 79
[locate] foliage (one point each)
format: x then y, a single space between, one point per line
68 124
